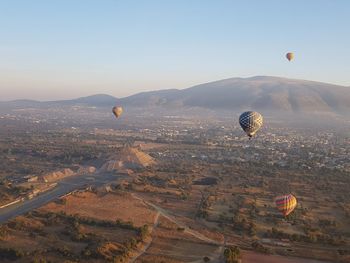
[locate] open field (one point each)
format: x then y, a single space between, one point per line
105 206
203 193
171 244
51 236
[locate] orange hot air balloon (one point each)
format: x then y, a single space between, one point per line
286 203
290 56
117 111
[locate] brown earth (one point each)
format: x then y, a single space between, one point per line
106 207
252 257
172 244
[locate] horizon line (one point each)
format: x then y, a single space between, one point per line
154 90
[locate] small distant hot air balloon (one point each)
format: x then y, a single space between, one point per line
286 203
117 111
251 122
290 56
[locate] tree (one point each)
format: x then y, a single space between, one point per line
206 259
144 231
232 254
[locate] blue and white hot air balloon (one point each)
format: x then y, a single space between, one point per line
251 122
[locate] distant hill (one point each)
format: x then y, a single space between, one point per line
257 93
94 100
99 100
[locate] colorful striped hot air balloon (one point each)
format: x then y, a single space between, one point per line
286 203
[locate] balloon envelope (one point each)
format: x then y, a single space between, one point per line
290 56
117 111
251 122
286 203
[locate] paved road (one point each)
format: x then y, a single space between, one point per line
65 186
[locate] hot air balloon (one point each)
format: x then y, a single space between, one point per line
286 203
251 122
117 111
290 56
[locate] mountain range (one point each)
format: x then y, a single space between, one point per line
262 93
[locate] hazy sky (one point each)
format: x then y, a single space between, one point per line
69 48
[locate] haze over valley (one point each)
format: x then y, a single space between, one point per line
177 131
175 171
266 94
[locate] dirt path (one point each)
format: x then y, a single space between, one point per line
171 218
148 244
187 230
217 256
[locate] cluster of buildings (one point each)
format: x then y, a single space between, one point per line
285 147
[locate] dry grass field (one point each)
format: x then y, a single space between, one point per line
171 244
105 207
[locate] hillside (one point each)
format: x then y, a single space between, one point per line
258 93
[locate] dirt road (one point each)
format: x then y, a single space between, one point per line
248 256
148 244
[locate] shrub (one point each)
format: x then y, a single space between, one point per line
232 254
